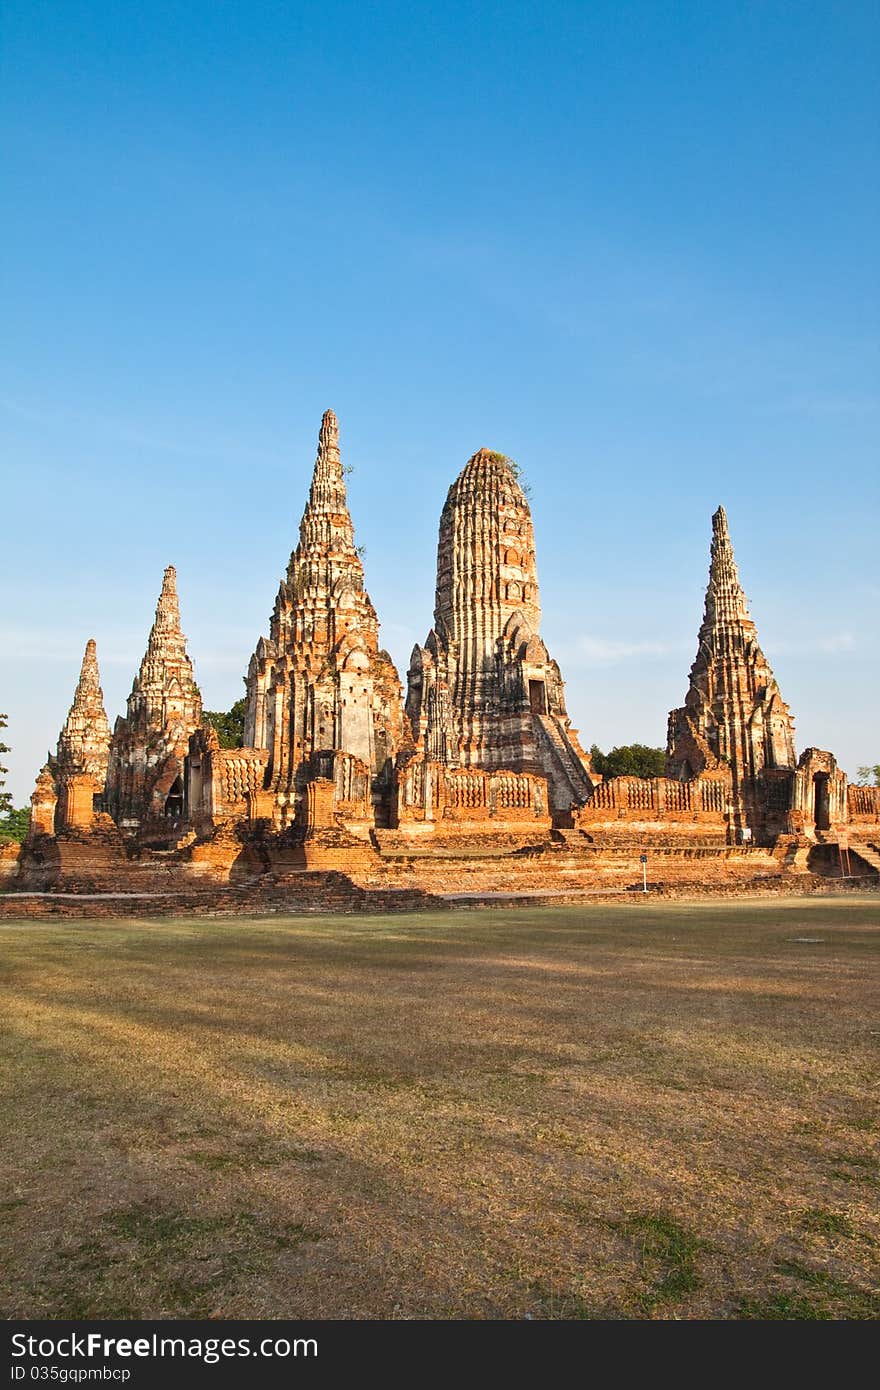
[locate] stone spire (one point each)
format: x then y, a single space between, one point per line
327 492
163 709
319 685
164 690
326 552
168 608
84 742
734 713
725 601
483 691
166 644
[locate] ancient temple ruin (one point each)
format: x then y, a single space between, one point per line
734 715
735 720
70 786
483 692
145 775
84 742
324 720
479 774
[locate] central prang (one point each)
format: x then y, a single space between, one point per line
483 691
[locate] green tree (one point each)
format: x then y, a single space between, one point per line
5 797
15 825
629 760
229 724
866 774
516 470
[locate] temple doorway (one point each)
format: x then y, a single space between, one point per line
821 803
174 800
537 697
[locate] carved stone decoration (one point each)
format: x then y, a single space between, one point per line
734 714
319 685
149 745
483 691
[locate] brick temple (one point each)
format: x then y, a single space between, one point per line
475 776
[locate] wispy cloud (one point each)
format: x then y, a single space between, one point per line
831 405
66 649
46 644
837 642
587 651
829 644
129 433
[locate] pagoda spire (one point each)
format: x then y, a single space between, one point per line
89 683
734 713
167 620
318 684
166 644
166 667
326 532
725 599
328 462
327 492
165 706
85 739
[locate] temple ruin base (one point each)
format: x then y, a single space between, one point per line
238 867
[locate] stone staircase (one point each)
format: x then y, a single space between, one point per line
861 858
562 756
869 854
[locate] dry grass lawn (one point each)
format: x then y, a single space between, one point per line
660 1110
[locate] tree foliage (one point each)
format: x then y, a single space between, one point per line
629 760
228 723
5 796
14 825
869 776
515 468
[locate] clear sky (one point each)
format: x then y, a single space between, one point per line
632 245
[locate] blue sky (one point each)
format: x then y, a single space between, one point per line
632 245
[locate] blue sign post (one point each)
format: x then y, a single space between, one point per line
644 859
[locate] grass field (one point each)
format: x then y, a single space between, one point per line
664 1111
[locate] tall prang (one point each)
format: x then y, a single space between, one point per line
483 692
73 780
733 713
322 697
84 742
149 744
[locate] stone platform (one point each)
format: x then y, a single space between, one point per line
81 875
